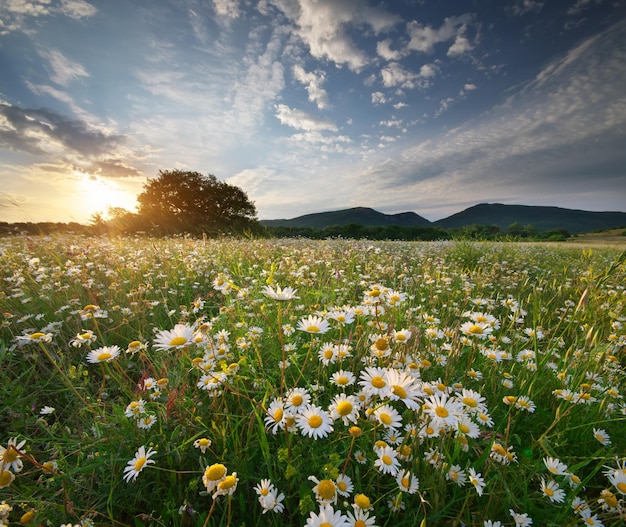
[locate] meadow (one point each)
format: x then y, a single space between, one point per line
186 382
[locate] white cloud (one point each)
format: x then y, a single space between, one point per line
227 8
313 82
77 9
394 75
302 120
383 48
378 97
429 70
64 70
424 38
324 26
461 45
521 7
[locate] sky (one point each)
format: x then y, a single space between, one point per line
313 105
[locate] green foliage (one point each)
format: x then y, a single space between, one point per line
178 201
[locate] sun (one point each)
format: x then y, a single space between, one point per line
98 195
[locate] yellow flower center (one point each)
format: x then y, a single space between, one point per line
178 341
441 387
464 428
204 442
134 344
621 486
344 408
441 411
549 491
498 449
428 390
378 382
315 421
85 335
229 482
387 460
609 498
405 482
27 517
362 501
326 489
296 400
5 478
342 486
312 329
326 524
105 355
399 391
37 335
278 415
264 492
215 472
9 455
140 463
328 354
381 344
404 450
469 401
385 419
476 330
342 381
360 523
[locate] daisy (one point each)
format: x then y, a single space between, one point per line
182 335
146 422
602 436
344 485
373 382
10 456
314 422
327 517
296 399
138 463
476 329
403 388
476 479
456 474
407 482
552 490
361 501
6 478
282 295
345 407
555 466
342 317
590 519
360 518
269 498
227 486
325 491
521 520
213 475
275 419
313 324
388 416
472 400
387 461
104 354
203 443
618 480
342 378
444 412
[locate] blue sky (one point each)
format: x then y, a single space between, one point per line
308 106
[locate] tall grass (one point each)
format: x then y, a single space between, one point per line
485 383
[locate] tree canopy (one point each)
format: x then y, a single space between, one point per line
180 201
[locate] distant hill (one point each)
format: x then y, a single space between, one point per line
543 218
359 215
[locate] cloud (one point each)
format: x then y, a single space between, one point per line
302 120
556 136
394 75
16 14
461 45
114 168
41 131
313 82
522 7
64 70
383 48
378 97
324 26
227 8
425 38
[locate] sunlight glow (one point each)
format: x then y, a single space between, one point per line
99 194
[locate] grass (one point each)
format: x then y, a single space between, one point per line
155 382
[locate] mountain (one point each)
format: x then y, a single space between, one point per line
359 215
543 218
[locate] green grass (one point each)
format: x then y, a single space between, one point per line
546 371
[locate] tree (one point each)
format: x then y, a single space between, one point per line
178 201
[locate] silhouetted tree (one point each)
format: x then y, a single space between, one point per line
179 201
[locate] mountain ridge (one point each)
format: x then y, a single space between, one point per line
543 218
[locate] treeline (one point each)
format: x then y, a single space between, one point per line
123 222
357 231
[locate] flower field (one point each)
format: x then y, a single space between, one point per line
180 382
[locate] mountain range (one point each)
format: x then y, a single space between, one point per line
543 218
